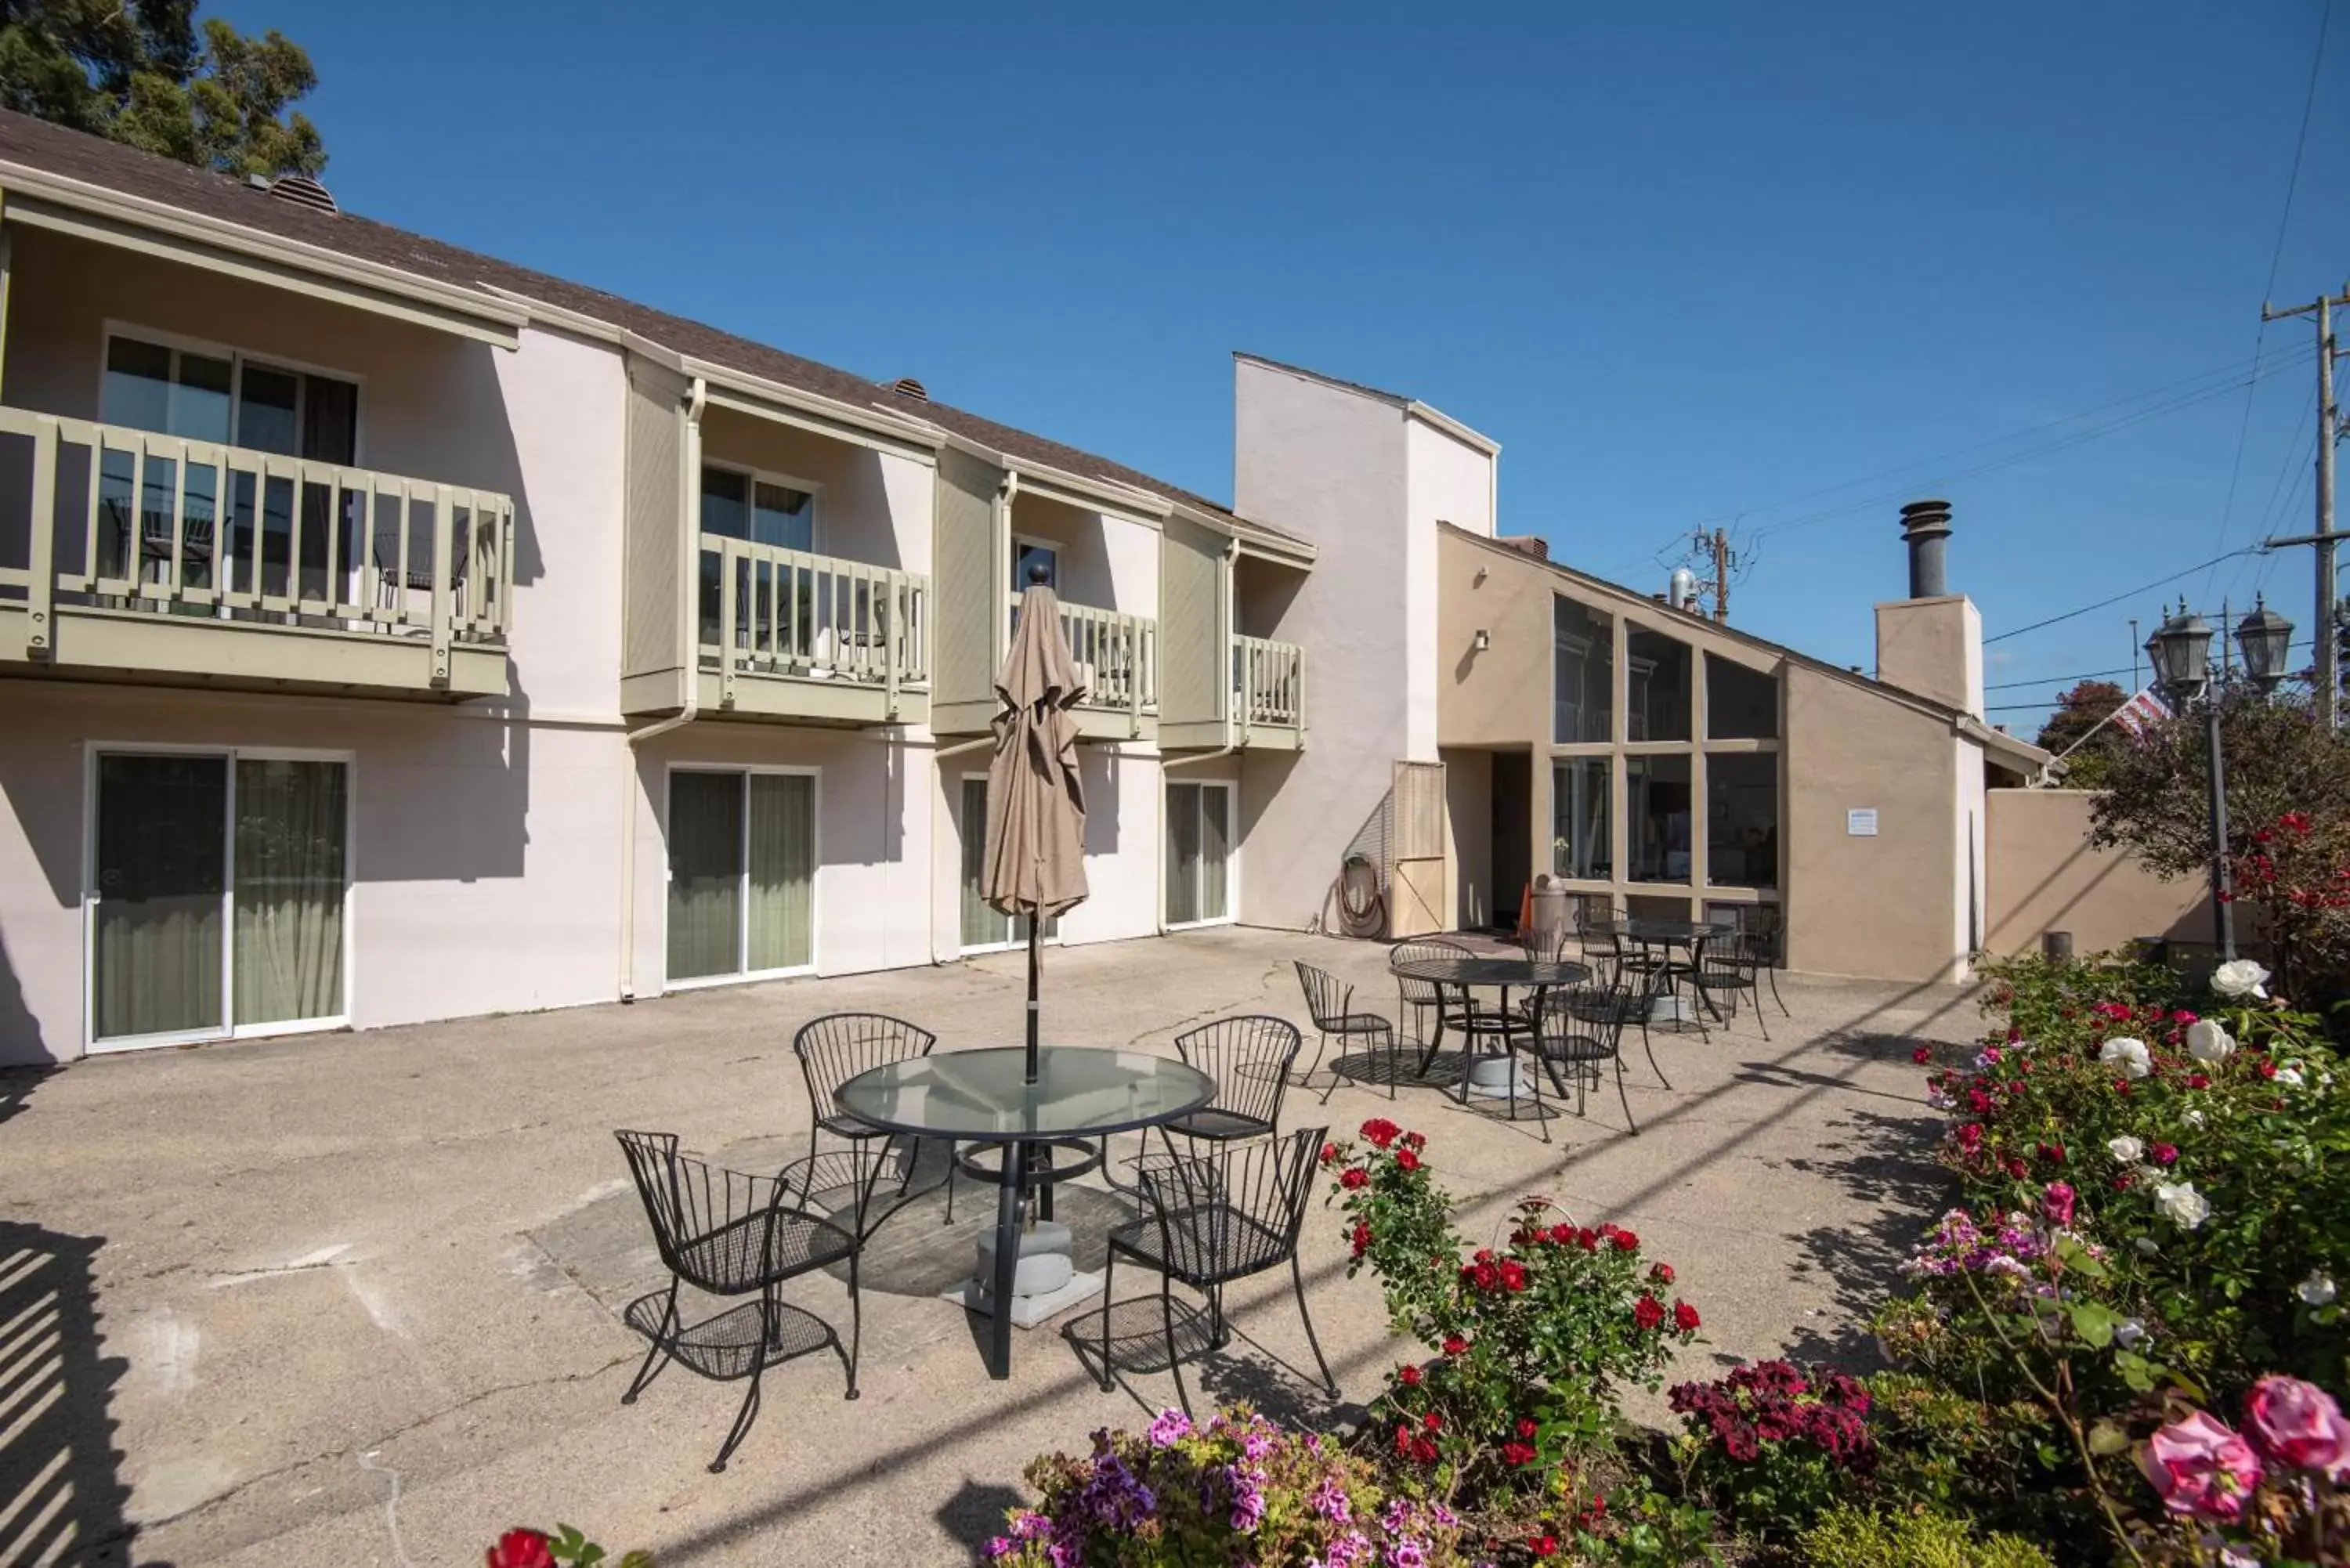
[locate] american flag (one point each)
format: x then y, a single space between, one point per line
2133 716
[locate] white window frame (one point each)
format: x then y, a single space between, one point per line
229 1029
1053 547
182 343
758 476
1231 850
745 976
1050 937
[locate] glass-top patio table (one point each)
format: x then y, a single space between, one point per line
982 1097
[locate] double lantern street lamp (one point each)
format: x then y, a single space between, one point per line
2180 650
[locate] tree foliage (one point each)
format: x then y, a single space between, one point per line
135 71
2078 714
2278 759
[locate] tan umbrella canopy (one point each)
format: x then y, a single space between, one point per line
1035 804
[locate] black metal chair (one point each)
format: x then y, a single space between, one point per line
832 1050
727 1233
1218 1217
1732 963
1330 1001
1249 1058
1767 927
1416 999
1583 1028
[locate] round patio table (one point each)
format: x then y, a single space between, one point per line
1502 974
982 1097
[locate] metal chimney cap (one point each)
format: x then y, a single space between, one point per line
1919 516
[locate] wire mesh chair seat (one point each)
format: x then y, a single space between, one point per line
1330 1002
1215 1218
832 1050
729 1233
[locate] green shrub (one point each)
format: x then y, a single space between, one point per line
1863 1538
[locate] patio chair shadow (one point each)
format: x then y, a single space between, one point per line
1260 1379
974 1514
61 1491
1886 1161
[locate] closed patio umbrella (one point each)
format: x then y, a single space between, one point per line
1036 805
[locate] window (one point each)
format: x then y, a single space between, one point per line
1741 704
1199 852
984 931
1579 807
1741 815
1657 813
1027 553
1645 907
220 895
762 509
1583 673
1657 679
741 874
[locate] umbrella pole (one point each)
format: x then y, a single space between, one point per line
1033 923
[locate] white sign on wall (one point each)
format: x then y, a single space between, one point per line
1860 822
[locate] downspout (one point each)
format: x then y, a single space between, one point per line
688 664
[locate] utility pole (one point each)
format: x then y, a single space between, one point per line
2328 682
2133 652
1716 547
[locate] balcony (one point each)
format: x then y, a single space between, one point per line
1268 693
130 555
1117 656
815 640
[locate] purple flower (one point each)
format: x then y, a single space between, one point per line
1256 1445
1352 1548
1406 1553
999 1547
1171 1425
1329 1499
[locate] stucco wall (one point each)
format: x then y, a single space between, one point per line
1878 905
1469 834
2045 876
1500 696
1328 465
1106 561
1450 481
1934 647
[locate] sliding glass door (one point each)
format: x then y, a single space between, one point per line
741 874
218 902
984 931
1199 852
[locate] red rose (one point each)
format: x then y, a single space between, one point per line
1662 1274
1514 1276
2197 1081
1410 1377
1361 1238
1923 1054
1415 1141
1685 1317
1403 1439
1354 1177
1380 1132
1543 1546
520 1549
2164 1153
1455 1346
1648 1312
1330 1153
1526 1427
1627 1242
1486 1275
1407 1161
1431 1422
1517 1453
1423 1451
1562 1234
1587 1239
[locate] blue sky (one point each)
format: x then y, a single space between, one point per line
1687 269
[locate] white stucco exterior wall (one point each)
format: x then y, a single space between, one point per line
1449 479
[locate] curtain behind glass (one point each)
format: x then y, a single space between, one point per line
705 874
783 871
1216 853
161 864
1182 854
291 821
982 927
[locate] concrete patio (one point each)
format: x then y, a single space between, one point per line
356 1298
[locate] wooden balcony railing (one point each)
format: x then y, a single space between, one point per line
1116 657
100 516
1268 682
810 616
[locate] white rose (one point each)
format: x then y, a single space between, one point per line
2193 1118
2316 1291
2288 1076
2240 978
2206 1042
2181 1204
2127 1149
2130 1055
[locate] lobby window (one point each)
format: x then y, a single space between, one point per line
1579 844
1657 814
1741 815
1583 673
1741 704
1656 686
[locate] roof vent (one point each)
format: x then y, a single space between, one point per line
304 192
907 387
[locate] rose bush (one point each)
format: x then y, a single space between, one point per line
523 1547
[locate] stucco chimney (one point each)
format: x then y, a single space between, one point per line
1926 524
1931 643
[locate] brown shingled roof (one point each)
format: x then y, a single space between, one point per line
94 161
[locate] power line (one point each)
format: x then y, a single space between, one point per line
2132 593
2083 675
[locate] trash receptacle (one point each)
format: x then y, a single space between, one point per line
1549 912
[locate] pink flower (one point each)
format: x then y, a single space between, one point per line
2202 1467
2056 1202
2299 1423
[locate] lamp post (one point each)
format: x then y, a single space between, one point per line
2180 650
